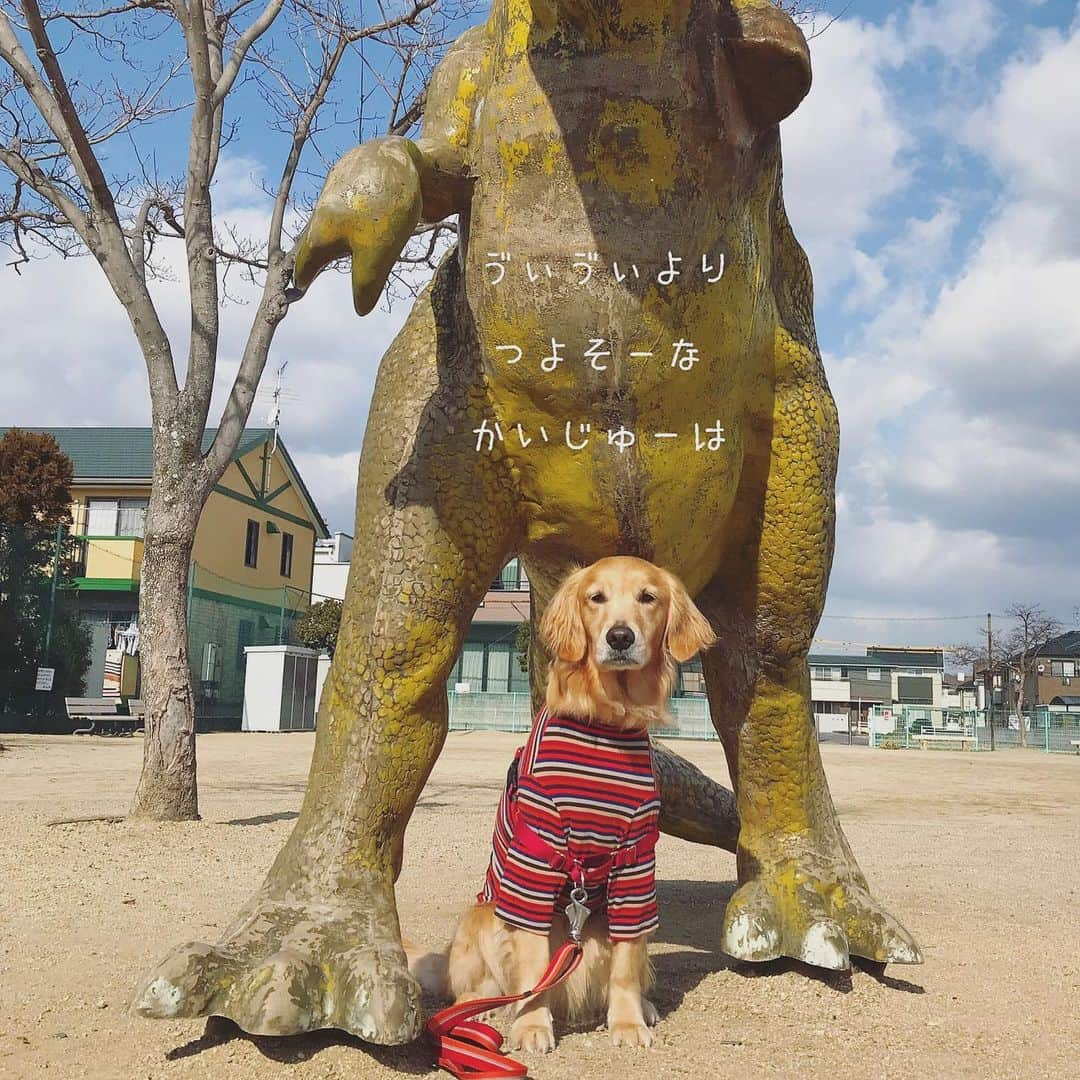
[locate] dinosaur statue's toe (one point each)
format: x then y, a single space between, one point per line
822 916
290 967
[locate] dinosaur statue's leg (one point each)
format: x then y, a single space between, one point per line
802 893
319 944
693 806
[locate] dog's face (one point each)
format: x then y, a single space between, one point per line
623 613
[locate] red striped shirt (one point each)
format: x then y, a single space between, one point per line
588 790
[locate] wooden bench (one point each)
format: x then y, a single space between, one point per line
103 715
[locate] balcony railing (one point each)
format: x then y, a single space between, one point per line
109 558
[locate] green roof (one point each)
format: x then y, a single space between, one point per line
126 453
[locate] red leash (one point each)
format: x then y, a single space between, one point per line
470 1049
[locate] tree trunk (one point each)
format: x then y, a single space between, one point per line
167 788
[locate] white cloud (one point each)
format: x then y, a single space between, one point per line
335 476
843 147
1029 130
958 31
965 481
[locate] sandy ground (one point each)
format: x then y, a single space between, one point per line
979 855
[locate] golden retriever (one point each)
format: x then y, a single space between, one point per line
614 631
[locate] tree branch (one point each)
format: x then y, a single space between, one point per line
240 49
83 157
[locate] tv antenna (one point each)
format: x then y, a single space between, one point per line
273 418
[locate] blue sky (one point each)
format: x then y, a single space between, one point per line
932 177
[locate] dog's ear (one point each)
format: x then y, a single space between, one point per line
561 628
769 58
688 631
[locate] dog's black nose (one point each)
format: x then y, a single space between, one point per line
620 638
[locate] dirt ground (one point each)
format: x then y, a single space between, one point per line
978 854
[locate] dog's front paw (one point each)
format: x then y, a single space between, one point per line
630 1034
532 1036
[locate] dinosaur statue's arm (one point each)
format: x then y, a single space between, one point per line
377 193
452 99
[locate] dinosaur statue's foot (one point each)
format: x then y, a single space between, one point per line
287 966
816 909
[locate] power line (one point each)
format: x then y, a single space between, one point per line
906 618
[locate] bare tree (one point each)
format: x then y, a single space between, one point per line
1012 656
1033 629
92 95
815 16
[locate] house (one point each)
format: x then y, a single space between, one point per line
488 662
1052 681
843 686
1055 675
331 571
251 567
961 691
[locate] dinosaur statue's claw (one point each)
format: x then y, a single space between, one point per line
818 915
290 967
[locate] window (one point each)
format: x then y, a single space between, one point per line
472 665
1064 669
286 554
511 578
251 544
500 655
873 673
116 517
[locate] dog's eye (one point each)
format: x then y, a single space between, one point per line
598 598
646 598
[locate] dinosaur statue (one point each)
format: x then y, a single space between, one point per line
643 131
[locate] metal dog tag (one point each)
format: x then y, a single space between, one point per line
577 913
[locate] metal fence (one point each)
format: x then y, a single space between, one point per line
904 727
224 617
41 632
513 712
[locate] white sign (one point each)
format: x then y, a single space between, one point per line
45 676
461 688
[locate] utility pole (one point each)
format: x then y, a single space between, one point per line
990 666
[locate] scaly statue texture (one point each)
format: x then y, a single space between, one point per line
629 128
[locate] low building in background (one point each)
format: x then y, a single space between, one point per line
844 687
331 570
251 568
1055 680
